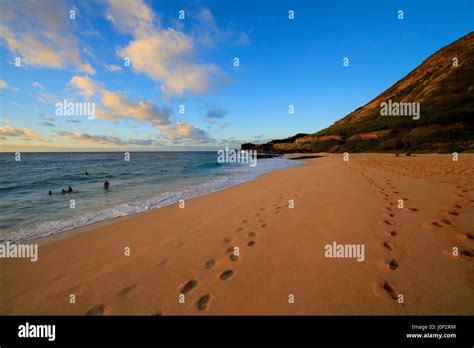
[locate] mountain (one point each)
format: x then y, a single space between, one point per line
443 85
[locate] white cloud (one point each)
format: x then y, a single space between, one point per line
113 68
119 106
164 55
48 98
186 131
4 85
37 85
39 32
104 139
24 133
86 86
116 106
130 16
47 117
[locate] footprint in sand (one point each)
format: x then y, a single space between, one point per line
388 222
226 274
393 233
413 209
227 240
394 264
454 213
102 309
391 215
239 229
447 222
252 234
209 264
388 245
263 225
458 206
436 223
469 236
163 262
251 243
467 254
189 286
126 290
203 302
244 221
234 257
390 290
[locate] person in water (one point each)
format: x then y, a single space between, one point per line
87 173
69 189
50 193
63 191
106 184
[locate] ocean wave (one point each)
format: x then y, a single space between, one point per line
233 175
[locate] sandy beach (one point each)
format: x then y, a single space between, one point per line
243 250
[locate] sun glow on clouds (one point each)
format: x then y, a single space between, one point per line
23 133
41 34
116 106
170 51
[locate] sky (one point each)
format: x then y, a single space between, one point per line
163 75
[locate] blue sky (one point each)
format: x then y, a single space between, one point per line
190 62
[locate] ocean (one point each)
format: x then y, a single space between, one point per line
149 180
